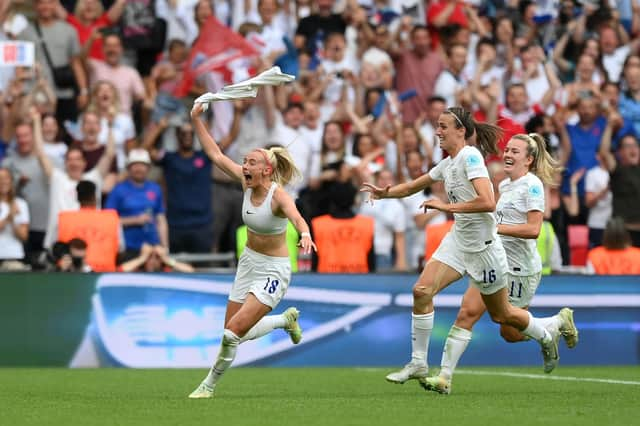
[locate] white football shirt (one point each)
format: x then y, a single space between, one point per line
472 231
517 199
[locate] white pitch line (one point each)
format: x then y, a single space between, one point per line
547 377
524 376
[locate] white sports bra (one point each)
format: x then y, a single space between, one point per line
261 219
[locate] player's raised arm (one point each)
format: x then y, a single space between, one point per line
398 191
210 146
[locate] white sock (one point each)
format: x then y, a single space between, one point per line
226 356
550 322
421 326
535 329
265 326
454 347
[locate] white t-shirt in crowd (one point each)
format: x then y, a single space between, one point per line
517 199
10 245
63 196
123 130
389 218
56 153
472 231
428 133
596 180
447 85
415 238
613 63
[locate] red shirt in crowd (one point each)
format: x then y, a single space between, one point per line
457 17
84 31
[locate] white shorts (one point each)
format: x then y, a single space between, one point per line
522 288
487 268
266 277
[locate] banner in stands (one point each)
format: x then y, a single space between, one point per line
176 321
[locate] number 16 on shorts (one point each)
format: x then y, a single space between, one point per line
271 285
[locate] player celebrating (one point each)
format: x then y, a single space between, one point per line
264 268
472 246
520 213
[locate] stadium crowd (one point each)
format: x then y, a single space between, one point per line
99 160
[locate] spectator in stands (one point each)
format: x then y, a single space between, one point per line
154 259
313 29
62 184
337 67
57 47
312 129
587 81
624 182
580 144
165 78
14 220
452 81
139 204
289 132
390 225
314 200
105 103
89 19
446 12
125 78
99 228
53 146
629 102
417 69
187 175
367 158
344 239
70 257
30 183
598 199
428 122
614 52
92 151
616 256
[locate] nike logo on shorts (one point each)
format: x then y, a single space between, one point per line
248 212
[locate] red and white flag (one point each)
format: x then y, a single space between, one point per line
214 50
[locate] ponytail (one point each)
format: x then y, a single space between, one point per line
283 168
544 165
487 135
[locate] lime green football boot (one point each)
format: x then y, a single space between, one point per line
436 384
292 327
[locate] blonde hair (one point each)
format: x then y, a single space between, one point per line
93 100
11 195
544 165
283 168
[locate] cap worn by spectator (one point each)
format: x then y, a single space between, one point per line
138 156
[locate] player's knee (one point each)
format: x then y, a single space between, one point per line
422 292
467 317
510 334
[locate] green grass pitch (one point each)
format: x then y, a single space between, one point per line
319 396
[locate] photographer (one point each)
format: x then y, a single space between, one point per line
70 257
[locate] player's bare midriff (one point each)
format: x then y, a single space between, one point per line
269 245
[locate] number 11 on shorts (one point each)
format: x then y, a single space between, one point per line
271 286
